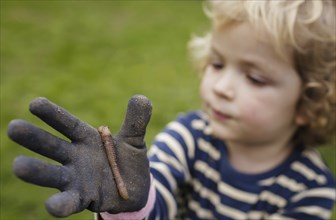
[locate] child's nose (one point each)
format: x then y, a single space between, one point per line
226 84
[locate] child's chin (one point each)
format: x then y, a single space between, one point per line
219 132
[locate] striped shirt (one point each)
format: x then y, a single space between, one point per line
194 180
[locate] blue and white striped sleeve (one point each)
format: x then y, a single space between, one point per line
170 159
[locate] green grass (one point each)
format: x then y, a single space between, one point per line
90 57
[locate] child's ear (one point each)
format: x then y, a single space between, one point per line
300 120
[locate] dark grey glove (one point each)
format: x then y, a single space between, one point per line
85 178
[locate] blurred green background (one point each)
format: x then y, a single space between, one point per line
90 57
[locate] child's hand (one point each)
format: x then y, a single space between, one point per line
85 177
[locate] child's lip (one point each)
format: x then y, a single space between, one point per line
221 115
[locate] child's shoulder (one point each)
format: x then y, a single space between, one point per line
304 170
305 180
196 122
311 182
310 168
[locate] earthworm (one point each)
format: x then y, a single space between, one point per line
106 137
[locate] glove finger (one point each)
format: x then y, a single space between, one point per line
40 173
39 141
138 114
61 120
64 204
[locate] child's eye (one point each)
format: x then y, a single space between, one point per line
217 65
257 80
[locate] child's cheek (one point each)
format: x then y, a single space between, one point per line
253 115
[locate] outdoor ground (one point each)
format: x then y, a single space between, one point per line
90 57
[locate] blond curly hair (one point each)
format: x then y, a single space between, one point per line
308 28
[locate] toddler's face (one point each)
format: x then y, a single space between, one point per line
249 92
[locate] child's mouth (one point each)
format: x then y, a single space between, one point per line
220 115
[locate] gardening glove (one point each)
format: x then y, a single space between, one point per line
85 178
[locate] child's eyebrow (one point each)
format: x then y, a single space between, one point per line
213 51
248 61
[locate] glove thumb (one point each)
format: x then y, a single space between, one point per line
138 114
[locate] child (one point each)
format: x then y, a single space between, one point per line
268 93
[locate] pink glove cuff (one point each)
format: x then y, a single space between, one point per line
141 214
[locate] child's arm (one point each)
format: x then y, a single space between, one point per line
171 157
85 178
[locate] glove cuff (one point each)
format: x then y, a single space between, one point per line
141 214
